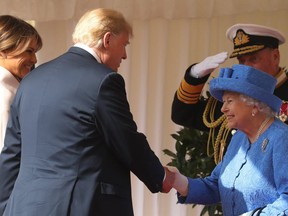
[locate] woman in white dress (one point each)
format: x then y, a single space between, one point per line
19 42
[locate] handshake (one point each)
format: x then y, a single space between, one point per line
174 179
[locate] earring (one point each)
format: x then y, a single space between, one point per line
253 114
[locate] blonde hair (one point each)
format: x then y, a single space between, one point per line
16 35
93 25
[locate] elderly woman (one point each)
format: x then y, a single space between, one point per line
252 179
19 41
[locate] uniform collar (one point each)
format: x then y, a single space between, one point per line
281 76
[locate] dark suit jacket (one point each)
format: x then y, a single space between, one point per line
71 143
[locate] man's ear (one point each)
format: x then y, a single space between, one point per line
3 55
276 54
106 39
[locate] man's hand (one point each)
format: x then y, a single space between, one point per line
168 181
176 180
208 65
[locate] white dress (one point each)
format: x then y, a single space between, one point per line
8 88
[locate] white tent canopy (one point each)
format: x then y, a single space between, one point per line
48 10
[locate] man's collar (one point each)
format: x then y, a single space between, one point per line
88 49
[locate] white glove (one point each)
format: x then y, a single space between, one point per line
208 65
180 182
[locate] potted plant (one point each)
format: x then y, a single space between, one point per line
191 159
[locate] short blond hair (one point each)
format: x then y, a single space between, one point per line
16 35
93 25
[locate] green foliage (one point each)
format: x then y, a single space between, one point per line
191 159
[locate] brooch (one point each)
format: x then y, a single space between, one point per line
264 144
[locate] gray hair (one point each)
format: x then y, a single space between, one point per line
261 106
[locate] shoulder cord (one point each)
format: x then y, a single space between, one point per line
213 124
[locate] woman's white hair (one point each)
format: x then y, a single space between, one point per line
261 106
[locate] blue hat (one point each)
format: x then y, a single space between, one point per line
248 81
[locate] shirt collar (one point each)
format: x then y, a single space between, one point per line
88 49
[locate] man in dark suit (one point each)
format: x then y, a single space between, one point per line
71 140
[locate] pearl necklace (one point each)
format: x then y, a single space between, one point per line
264 123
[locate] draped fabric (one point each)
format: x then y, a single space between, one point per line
47 10
169 35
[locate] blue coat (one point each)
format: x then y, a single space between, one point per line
250 176
72 142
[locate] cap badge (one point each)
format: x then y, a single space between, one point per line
241 38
